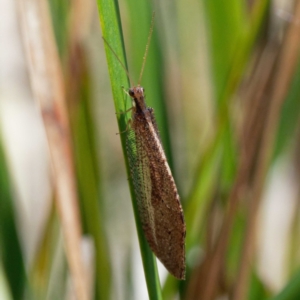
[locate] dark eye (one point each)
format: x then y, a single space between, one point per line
131 92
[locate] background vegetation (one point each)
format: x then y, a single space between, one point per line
224 80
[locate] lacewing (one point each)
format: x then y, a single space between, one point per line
155 190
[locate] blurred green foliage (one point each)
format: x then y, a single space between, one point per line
233 32
10 248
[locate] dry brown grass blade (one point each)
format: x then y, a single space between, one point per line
48 89
78 29
285 68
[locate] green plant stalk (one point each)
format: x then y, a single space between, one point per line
226 22
88 182
10 249
112 32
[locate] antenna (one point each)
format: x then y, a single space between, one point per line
147 48
119 60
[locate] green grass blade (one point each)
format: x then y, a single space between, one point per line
88 180
258 289
291 291
226 21
112 32
10 248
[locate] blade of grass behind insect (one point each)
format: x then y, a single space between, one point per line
226 22
112 32
153 77
169 288
11 252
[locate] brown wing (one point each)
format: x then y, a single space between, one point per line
158 200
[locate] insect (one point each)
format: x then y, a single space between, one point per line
155 190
